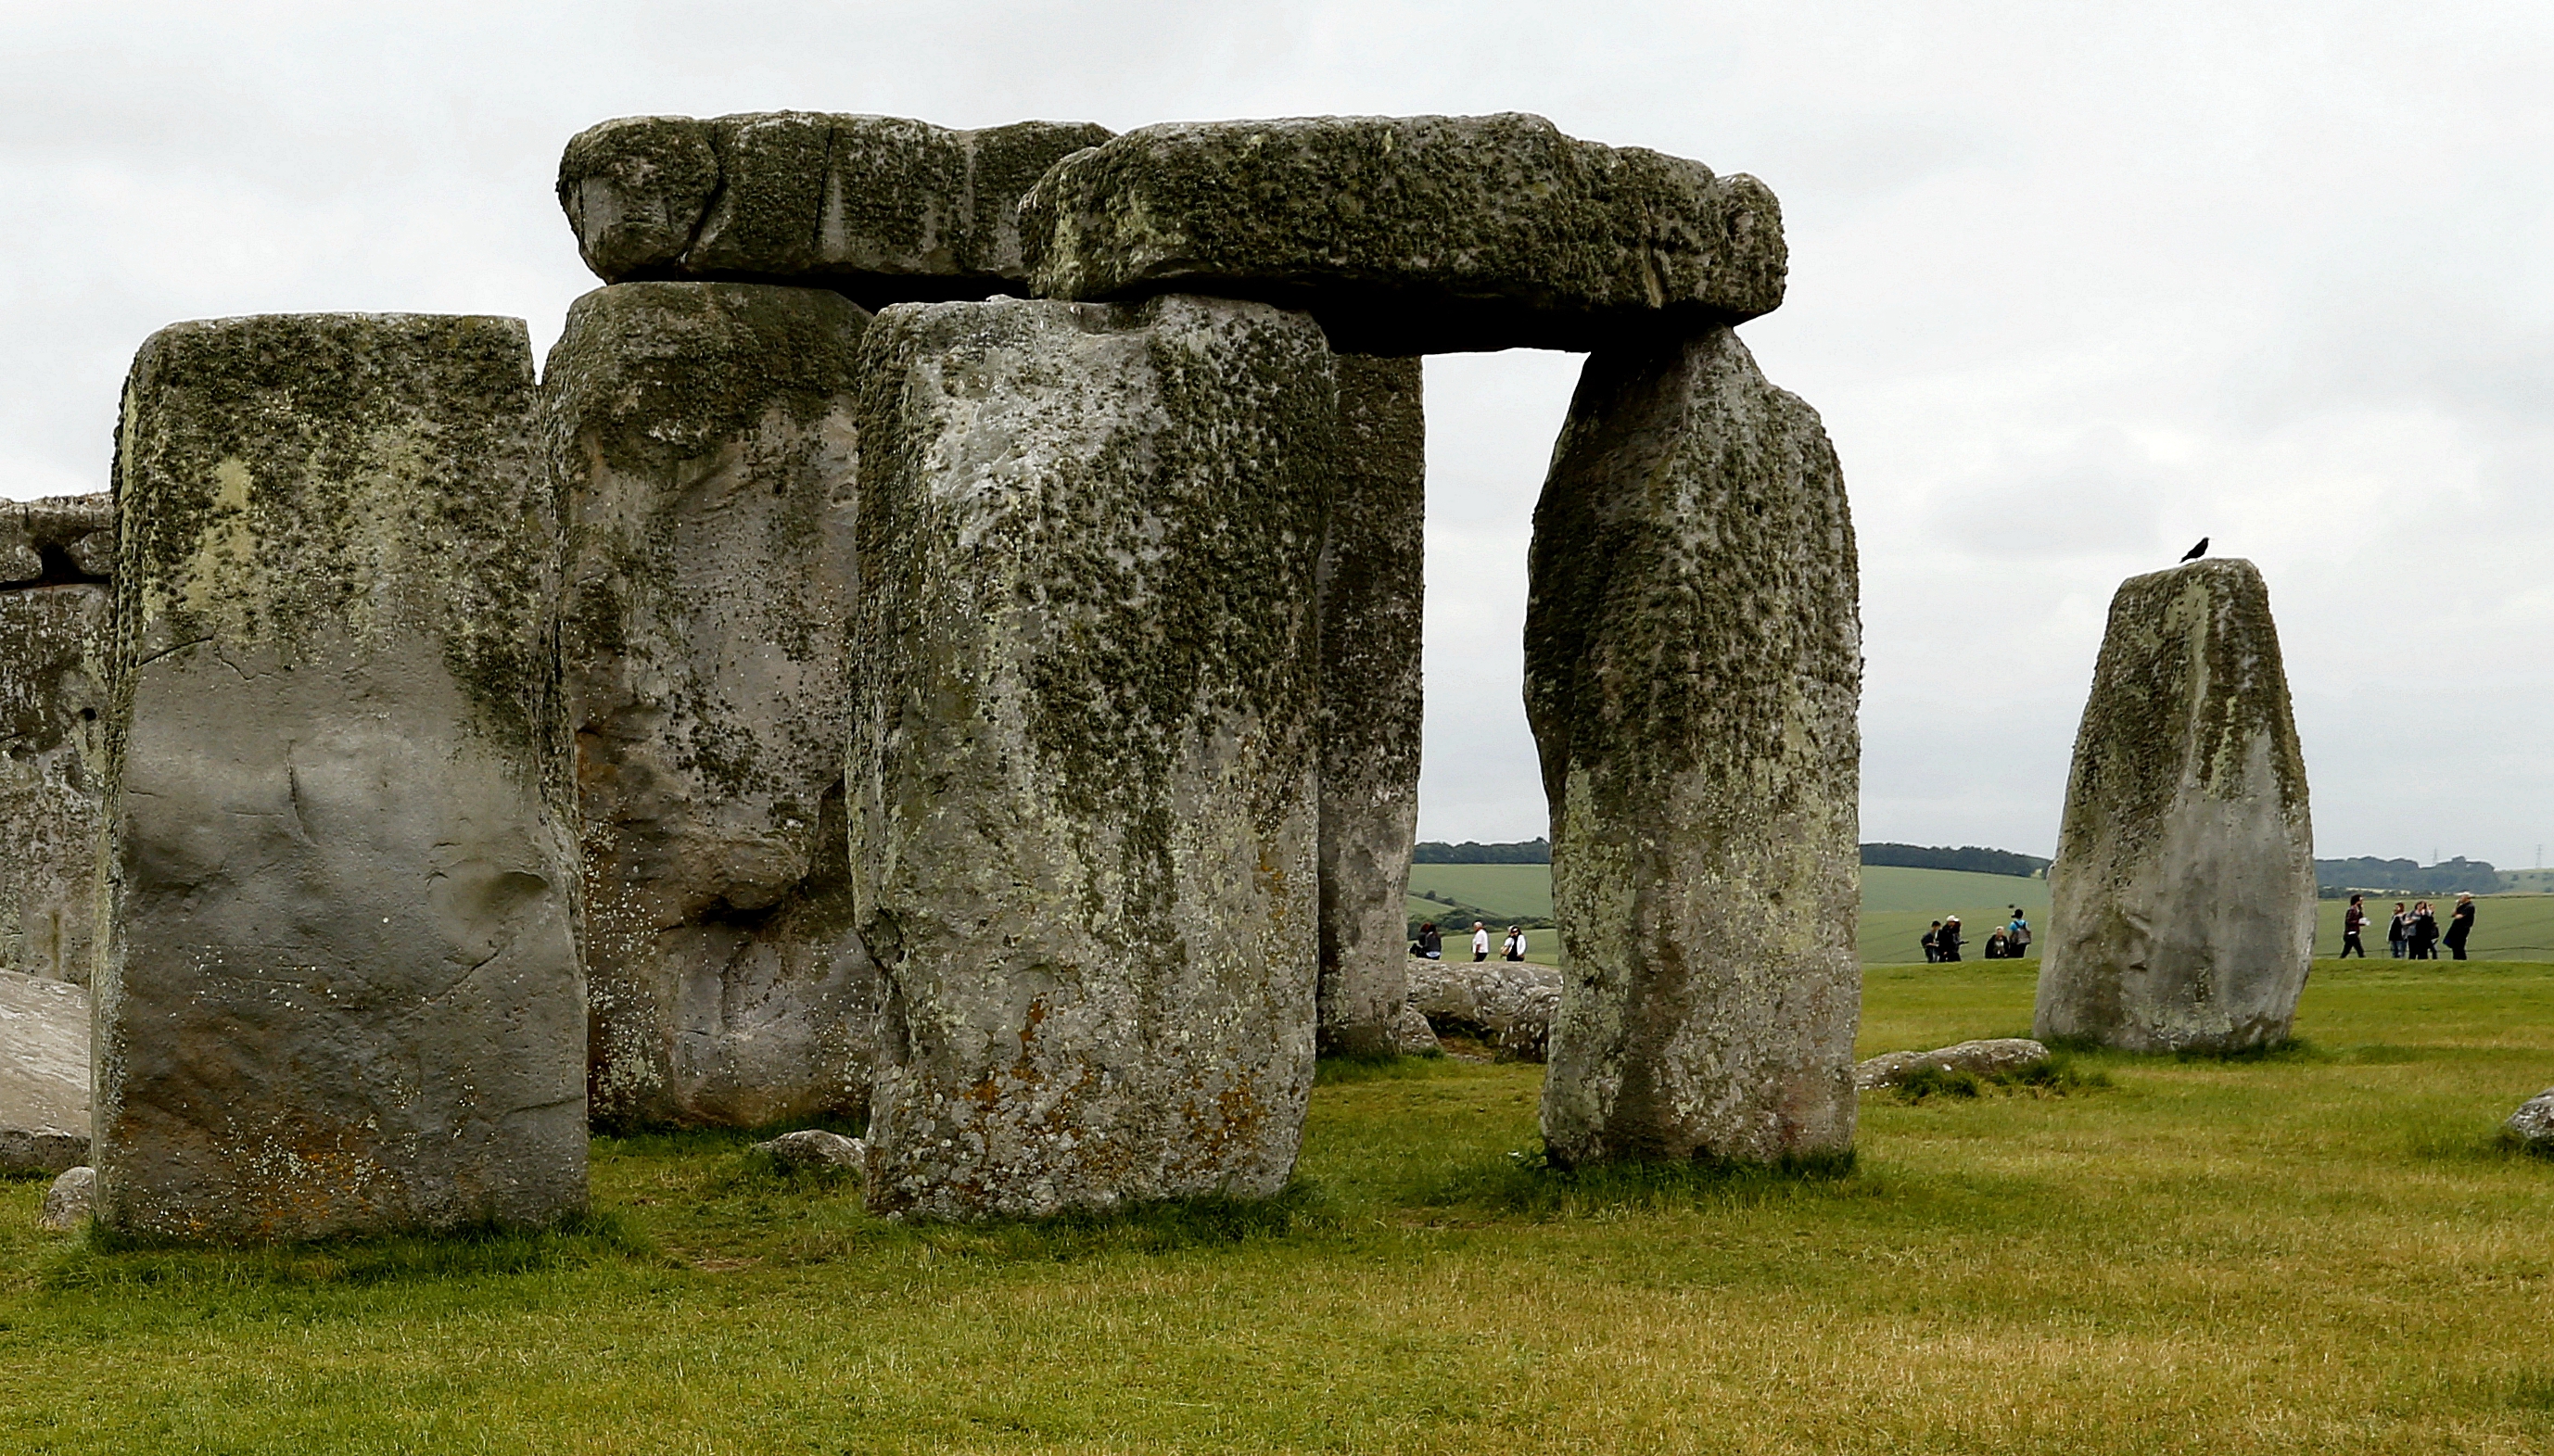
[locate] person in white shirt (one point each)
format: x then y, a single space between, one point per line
1480 941
1516 943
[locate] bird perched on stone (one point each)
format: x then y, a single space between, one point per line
2195 552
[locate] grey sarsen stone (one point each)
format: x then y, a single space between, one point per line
55 556
43 1073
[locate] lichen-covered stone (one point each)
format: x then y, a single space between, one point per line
1693 669
1083 769
1991 1057
1507 1005
339 991
1412 234
68 1201
43 1074
878 207
2182 900
2532 1127
1373 592
703 435
55 556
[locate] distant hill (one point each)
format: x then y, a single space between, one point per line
1473 851
2339 879
1968 857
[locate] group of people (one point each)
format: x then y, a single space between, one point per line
2008 942
1431 945
2413 934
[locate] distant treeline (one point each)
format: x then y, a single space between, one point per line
1473 851
1970 857
2338 877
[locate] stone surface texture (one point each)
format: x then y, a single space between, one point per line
43 1073
69 1202
884 209
1412 234
1692 671
55 559
339 992
703 436
1412 1036
1372 591
1505 1004
1083 771
2182 899
1989 1057
2532 1125
816 1147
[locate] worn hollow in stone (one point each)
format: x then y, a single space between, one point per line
339 991
703 435
878 207
1693 668
1372 591
2182 898
43 1073
1083 769
55 559
1412 234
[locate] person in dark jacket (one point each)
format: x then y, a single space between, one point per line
2352 921
2398 935
2460 924
1947 942
2423 934
1432 941
1932 943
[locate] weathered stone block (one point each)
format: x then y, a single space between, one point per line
1083 771
55 556
1992 1057
2182 900
881 208
1693 668
703 435
43 1074
1412 234
339 991
1504 1004
1372 593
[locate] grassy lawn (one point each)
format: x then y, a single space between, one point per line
2319 1250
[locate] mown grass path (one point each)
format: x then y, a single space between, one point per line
2318 1250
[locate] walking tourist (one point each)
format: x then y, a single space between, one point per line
1948 942
2352 921
1480 941
1516 943
2398 934
2461 924
2423 932
1932 939
2016 935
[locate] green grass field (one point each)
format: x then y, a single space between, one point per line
2321 1250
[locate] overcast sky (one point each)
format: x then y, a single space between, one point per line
2072 286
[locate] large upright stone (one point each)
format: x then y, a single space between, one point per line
2182 901
43 1074
703 434
339 992
1412 234
1373 592
1693 668
1083 769
881 208
55 557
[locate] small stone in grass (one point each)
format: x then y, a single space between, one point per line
67 1201
816 1147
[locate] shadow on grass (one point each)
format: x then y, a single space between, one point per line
1526 1184
1156 1227
1336 1069
2060 1075
106 1260
2293 1049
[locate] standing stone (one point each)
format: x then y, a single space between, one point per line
884 209
1083 766
703 435
339 992
55 556
43 1074
2182 900
1694 661
1373 592
1413 234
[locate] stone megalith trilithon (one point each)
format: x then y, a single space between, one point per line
1692 671
1373 594
2182 900
55 559
339 992
702 435
1082 767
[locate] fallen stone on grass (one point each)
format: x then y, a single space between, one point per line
68 1201
43 1073
1505 1004
2532 1125
1412 1036
816 1147
1412 234
1989 1058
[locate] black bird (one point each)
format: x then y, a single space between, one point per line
2195 552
